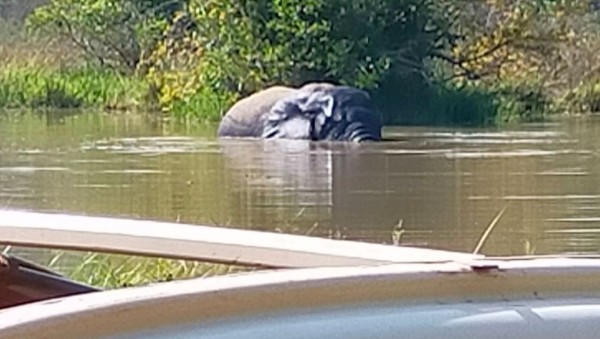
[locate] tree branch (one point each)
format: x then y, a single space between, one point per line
83 44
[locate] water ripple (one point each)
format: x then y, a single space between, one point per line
514 154
152 145
22 169
132 171
580 219
538 197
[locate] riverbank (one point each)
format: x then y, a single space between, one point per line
191 60
38 87
42 73
41 85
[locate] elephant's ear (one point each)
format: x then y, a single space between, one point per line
318 104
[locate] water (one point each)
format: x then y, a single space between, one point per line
443 186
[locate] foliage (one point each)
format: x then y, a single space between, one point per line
520 102
466 105
424 61
69 88
444 104
584 98
498 38
528 52
238 47
115 33
202 105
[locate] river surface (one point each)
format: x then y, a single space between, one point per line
430 187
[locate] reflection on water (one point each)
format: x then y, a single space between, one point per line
444 186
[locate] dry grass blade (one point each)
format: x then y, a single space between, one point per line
397 233
6 249
489 230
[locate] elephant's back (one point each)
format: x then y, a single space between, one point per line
244 118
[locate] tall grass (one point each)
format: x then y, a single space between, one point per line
114 271
205 105
42 73
38 87
416 102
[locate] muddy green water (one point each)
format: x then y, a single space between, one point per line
443 185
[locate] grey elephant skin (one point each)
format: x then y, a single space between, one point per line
316 111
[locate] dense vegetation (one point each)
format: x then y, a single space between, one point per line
424 61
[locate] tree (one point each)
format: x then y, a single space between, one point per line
115 33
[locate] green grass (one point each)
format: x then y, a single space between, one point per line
109 271
38 87
41 73
114 271
205 105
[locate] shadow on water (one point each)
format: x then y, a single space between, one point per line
443 186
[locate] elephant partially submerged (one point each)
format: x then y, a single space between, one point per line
317 111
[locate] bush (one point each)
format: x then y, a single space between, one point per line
199 56
520 103
584 98
235 47
421 103
465 106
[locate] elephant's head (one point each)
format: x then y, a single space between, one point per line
324 112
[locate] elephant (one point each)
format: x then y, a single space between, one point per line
315 111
